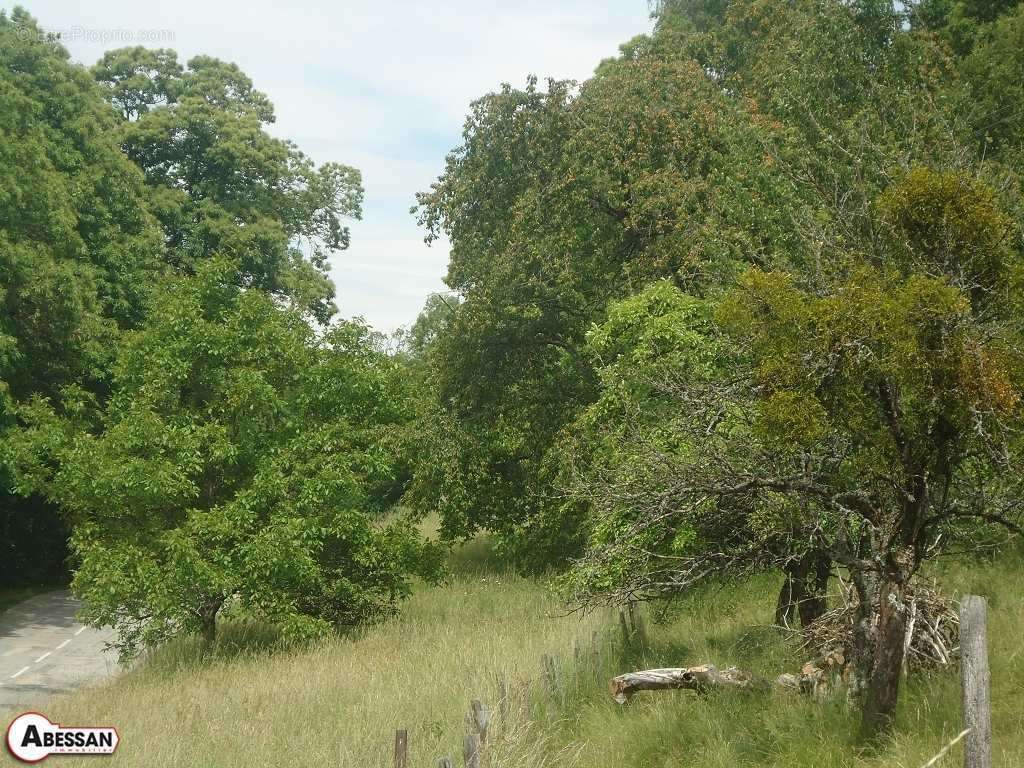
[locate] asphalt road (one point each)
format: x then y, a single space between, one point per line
44 651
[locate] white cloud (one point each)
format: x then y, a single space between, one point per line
381 86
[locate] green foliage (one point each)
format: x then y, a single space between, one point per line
138 79
952 225
76 243
209 450
78 251
961 22
233 472
618 452
866 413
718 142
221 183
557 202
786 386
993 72
430 325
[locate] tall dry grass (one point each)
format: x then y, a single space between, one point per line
338 704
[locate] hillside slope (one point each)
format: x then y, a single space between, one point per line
340 703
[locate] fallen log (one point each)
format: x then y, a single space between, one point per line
701 679
815 679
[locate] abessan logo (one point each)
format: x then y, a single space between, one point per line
31 737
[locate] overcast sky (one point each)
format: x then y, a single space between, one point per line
383 86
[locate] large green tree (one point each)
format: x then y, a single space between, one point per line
869 416
175 202
233 471
556 202
221 183
78 254
740 146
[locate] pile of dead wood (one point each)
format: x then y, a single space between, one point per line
933 628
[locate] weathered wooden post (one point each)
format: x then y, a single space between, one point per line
637 620
975 679
481 719
401 748
550 667
624 626
471 750
503 700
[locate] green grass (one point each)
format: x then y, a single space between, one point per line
339 703
727 626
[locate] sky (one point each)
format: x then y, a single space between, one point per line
382 86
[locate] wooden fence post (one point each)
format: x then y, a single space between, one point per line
550 666
975 679
624 626
637 620
503 700
471 750
481 719
401 748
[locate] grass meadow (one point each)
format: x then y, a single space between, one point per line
339 703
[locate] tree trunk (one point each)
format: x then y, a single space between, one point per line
208 621
884 683
862 653
813 605
803 591
785 604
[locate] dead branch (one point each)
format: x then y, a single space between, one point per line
702 679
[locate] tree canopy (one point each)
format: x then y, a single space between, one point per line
79 251
233 470
746 298
171 395
223 185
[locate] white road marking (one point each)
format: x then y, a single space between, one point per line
19 672
42 657
62 644
80 631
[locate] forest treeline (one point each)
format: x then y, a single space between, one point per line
748 298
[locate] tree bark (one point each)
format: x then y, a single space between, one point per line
785 604
864 636
884 684
813 604
803 590
208 620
